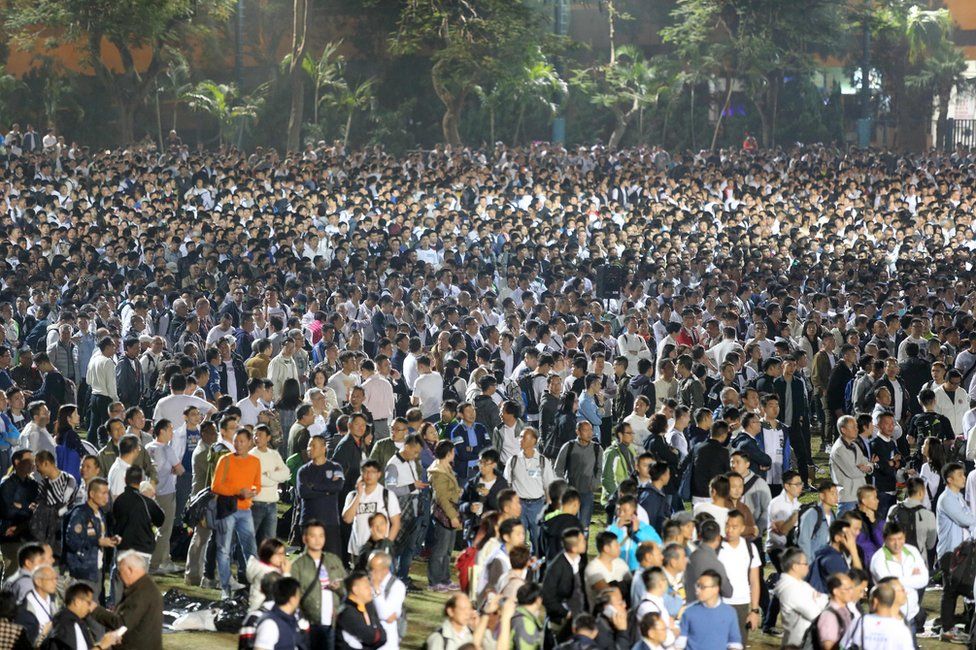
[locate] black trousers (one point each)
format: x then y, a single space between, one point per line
950 594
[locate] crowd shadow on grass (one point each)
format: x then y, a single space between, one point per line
425 608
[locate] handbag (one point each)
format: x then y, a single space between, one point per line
440 516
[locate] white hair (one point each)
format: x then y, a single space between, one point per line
134 558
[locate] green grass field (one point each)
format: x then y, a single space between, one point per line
425 608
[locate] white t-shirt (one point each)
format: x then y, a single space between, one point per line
596 571
510 445
387 605
773 443
429 389
164 458
639 424
720 513
780 509
872 632
250 411
116 477
171 408
737 565
370 503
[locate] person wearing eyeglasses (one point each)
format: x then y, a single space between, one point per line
800 602
708 623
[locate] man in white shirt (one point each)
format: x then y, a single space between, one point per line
258 397
389 595
903 561
741 563
428 390
224 328
283 367
173 406
367 499
101 380
343 381
883 628
380 400
128 452
632 346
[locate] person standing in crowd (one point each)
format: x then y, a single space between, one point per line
580 463
470 438
708 622
445 518
320 574
236 478
389 595
134 516
169 469
87 534
848 464
101 379
529 473
883 628
274 472
800 602
954 519
19 494
279 627
319 484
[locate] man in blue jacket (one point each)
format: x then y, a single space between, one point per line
470 438
748 441
833 558
18 495
87 533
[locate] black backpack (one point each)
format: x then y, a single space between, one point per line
793 535
907 518
811 638
528 393
962 568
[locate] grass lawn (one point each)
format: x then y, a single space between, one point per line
425 608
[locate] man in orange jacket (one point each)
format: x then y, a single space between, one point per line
236 480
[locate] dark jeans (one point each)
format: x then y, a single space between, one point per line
800 445
410 545
265 520
439 564
586 511
950 594
97 416
772 611
321 636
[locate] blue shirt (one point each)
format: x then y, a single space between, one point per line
710 628
952 516
630 540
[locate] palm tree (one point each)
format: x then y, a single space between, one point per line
222 102
350 100
939 74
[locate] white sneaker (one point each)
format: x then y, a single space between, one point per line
235 585
209 583
168 567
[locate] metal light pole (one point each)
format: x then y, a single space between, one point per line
239 46
864 124
560 27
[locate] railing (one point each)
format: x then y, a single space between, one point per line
959 133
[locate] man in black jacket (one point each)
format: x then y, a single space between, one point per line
900 397
563 595
747 441
914 372
135 514
886 467
19 493
840 375
795 414
358 625
72 621
707 460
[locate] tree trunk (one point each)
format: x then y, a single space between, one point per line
942 121
721 114
345 137
491 125
297 78
451 121
611 15
518 126
126 122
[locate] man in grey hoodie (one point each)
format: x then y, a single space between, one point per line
706 557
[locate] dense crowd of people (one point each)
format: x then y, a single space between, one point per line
291 378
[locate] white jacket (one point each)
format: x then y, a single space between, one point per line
952 409
911 571
279 369
800 604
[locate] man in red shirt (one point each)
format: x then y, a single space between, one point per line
236 480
